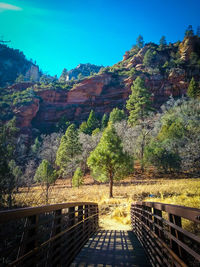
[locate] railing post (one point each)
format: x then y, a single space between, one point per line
177 221
158 222
86 230
56 246
29 236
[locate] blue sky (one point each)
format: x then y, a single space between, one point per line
63 33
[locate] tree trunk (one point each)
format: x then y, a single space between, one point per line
47 193
111 185
142 152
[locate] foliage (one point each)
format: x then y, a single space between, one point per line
8 172
193 89
49 147
157 154
179 135
117 115
104 121
84 128
45 175
149 58
91 124
189 31
88 143
139 103
77 179
20 78
140 41
108 161
163 41
68 151
96 131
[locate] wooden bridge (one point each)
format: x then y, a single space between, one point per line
68 235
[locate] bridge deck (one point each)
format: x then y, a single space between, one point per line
112 248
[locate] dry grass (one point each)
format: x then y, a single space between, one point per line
173 191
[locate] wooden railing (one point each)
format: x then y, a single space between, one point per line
46 236
160 228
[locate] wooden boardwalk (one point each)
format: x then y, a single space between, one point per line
112 248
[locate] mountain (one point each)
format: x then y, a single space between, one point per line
14 63
81 71
166 69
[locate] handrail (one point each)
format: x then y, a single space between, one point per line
159 228
51 234
30 211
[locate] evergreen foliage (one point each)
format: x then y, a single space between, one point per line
163 41
193 89
104 121
77 179
189 31
92 122
149 58
139 103
108 161
68 151
117 115
140 41
45 175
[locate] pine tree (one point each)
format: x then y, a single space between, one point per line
140 106
163 41
117 115
108 161
63 76
92 122
140 41
139 103
104 121
189 32
193 89
84 128
68 150
45 175
77 179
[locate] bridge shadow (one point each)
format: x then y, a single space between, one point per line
112 248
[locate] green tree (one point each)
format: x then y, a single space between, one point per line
45 175
104 121
193 89
149 58
80 76
139 105
8 144
163 41
92 122
84 128
108 161
63 76
117 115
35 148
189 31
20 78
164 159
77 179
140 41
68 151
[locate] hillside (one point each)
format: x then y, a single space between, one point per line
80 72
167 70
14 63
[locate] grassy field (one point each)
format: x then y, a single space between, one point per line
115 212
